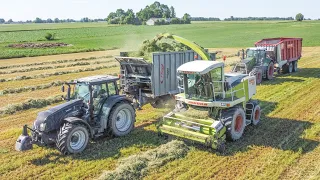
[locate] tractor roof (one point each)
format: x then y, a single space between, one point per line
258 48
199 66
97 79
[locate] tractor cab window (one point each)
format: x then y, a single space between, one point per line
112 88
99 92
81 91
216 75
199 87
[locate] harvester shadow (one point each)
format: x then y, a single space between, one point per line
278 133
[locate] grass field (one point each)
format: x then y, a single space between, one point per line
285 145
86 37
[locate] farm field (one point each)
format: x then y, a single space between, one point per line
84 37
286 145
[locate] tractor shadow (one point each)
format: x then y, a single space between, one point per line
306 73
109 147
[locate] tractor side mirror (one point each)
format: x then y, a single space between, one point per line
62 88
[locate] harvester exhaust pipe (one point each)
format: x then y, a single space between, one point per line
24 142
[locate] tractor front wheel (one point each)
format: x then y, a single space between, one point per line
121 119
72 138
270 71
235 123
257 72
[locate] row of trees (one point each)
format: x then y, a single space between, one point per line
258 19
205 19
186 19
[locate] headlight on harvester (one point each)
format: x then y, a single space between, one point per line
42 127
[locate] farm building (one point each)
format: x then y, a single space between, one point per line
152 21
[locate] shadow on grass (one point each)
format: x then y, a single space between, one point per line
108 147
281 80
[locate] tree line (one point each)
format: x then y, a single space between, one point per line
259 19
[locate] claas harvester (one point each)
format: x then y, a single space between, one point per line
225 98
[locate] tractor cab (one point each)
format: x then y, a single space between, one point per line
93 90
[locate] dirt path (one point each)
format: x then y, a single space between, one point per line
27 60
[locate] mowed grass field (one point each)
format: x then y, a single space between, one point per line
286 145
85 37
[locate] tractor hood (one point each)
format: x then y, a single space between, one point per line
53 116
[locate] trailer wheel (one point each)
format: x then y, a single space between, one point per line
121 119
290 68
270 71
285 69
235 121
257 72
295 66
72 138
256 115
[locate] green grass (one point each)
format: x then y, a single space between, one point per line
100 36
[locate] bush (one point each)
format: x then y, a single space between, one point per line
299 17
49 36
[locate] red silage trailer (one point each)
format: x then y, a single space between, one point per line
284 51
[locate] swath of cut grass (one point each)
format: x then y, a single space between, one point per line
138 166
31 103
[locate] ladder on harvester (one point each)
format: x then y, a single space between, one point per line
249 112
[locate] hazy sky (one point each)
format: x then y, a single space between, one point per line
76 9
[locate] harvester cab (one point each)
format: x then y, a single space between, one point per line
256 61
214 106
93 108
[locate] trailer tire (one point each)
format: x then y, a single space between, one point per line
121 119
295 66
290 67
270 71
72 132
235 122
257 72
285 69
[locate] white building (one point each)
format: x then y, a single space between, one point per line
151 21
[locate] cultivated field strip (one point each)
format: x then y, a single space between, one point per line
36 64
284 146
65 77
44 74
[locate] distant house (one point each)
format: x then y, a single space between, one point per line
152 21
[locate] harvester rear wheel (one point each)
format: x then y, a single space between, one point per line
235 121
270 71
257 72
256 114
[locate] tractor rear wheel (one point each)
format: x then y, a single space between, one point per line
257 72
295 66
235 121
72 138
270 71
256 114
121 119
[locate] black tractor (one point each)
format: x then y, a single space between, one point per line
93 108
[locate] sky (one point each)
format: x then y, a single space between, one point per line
77 9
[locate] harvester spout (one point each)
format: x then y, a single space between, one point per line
24 142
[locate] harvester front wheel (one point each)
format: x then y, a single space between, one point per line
270 71
235 124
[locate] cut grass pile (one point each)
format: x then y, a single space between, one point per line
200 113
31 88
138 166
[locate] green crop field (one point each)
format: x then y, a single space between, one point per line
100 36
285 145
